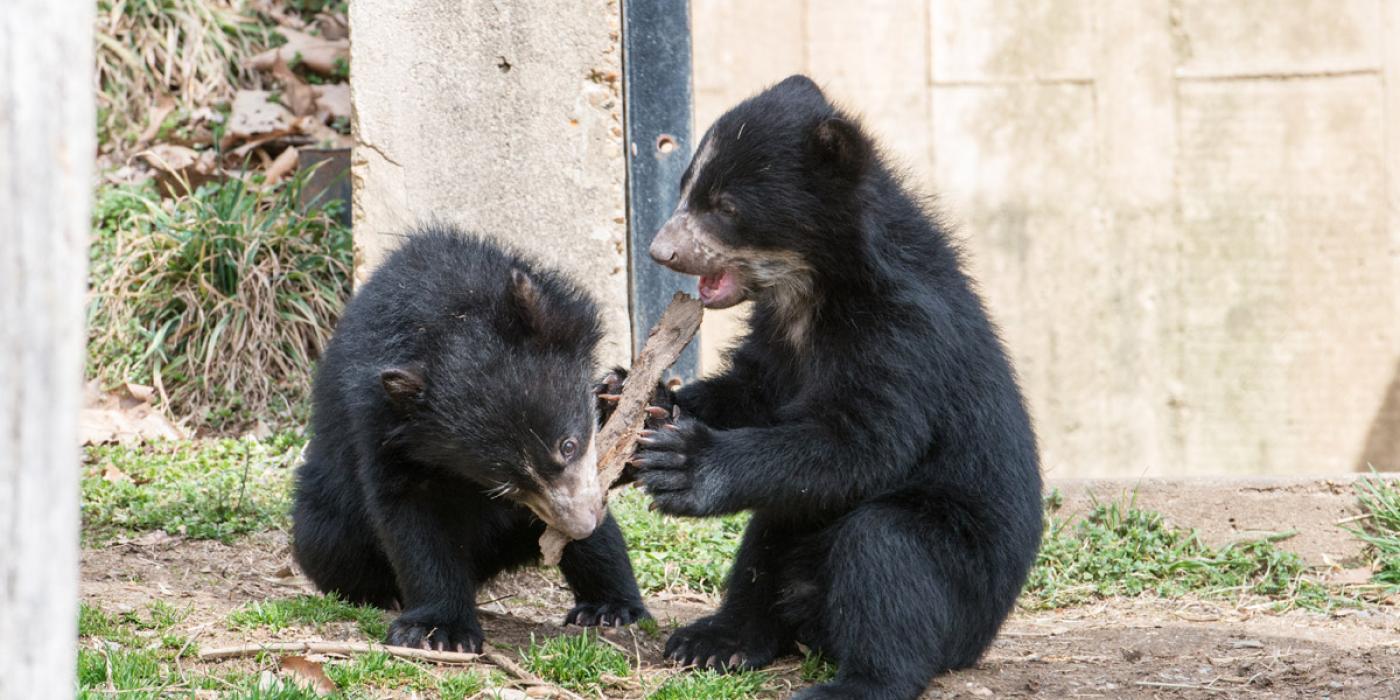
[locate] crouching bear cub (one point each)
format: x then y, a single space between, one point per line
452 416
870 419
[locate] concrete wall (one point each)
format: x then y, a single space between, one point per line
505 117
1185 214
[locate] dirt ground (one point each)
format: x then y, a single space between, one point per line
1141 648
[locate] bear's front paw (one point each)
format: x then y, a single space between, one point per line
721 646
426 629
608 390
606 614
670 464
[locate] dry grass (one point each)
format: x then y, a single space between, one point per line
221 298
188 51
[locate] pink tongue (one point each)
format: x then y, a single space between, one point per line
710 285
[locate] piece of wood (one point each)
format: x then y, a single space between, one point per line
47 147
342 648
496 659
618 437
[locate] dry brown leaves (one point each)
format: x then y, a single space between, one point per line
317 53
125 415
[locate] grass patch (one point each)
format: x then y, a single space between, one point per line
220 298
578 662
1380 499
460 686
671 553
280 613
815 668
121 670
214 489
134 652
1120 550
710 685
379 670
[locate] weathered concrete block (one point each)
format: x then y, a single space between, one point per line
1015 171
503 117
1288 338
1216 38
991 41
873 58
741 47
1197 273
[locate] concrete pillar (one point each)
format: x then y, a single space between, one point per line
504 117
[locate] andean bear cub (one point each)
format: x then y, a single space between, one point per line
870 419
452 416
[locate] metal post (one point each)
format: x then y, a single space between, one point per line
657 116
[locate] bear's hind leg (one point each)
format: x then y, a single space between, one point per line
894 592
340 554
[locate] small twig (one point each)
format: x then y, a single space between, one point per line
508 665
1352 519
1181 686
342 648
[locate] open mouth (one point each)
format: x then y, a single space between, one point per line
720 290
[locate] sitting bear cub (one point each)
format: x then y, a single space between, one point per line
452 419
870 419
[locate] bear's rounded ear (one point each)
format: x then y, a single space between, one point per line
544 315
802 83
840 145
404 385
530 306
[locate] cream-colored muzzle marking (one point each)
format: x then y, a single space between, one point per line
573 503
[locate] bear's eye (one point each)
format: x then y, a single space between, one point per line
726 206
568 447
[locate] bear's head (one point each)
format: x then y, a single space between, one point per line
770 199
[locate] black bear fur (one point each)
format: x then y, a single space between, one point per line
440 415
870 419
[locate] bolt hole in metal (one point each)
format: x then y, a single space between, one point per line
665 144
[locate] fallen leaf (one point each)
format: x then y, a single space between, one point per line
277 11
296 94
108 418
332 101
979 690
285 163
333 26
140 392
308 673
261 430
317 54
164 106
180 168
253 115
325 137
111 474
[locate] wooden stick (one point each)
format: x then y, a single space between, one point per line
508 665
618 437
343 648
499 660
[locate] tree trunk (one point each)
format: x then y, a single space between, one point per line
46 161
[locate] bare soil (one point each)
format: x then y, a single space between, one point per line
1139 648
